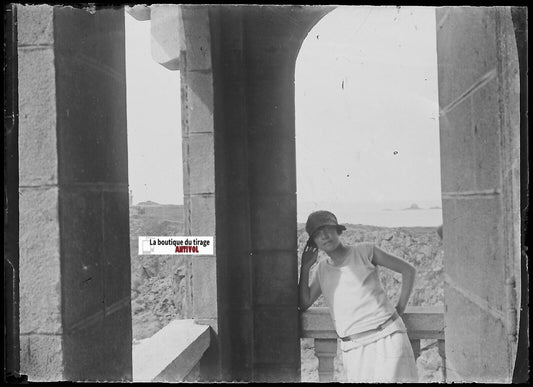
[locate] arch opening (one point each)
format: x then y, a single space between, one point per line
367 142
160 287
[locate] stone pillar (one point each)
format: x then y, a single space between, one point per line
254 51
199 168
271 51
479 128
234 263
75 314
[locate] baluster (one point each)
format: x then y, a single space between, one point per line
325 351
443 357
415 343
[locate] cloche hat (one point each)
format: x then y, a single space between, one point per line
319 219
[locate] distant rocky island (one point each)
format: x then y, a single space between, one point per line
149 203
414 206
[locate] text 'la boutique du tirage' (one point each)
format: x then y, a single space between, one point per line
157 245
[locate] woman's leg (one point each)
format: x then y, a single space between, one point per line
388 360
399 363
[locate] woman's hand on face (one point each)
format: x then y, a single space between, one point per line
309 256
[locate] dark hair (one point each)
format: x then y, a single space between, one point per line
311 243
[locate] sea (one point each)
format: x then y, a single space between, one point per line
384 217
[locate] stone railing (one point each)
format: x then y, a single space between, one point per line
421 323
172 354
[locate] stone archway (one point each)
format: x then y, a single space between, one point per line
246 197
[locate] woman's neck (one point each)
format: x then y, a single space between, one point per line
338 256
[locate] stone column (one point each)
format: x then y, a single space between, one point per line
479 133
198 144
254 51
271 52
75 314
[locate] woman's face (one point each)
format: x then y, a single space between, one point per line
327 238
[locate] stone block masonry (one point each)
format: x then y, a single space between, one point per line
75 314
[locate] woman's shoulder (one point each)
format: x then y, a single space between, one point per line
362 246
363 249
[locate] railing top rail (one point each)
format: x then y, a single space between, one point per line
426 322
171 353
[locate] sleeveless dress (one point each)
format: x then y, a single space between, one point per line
357 303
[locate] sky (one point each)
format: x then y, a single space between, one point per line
366 112
367 109
154 121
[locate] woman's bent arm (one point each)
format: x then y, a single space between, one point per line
398 265
308 294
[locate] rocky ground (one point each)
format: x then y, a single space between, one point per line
161 284
159 291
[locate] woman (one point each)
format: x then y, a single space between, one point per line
375 344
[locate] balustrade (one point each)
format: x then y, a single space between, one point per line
423 323
172 354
